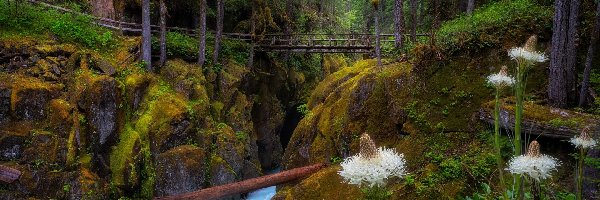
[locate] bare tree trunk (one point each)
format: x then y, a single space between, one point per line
563 55
399 23
413 20
377 36
571 67
202 34
288 24
470 6
163 33
218 35
252 34
146 35
583 93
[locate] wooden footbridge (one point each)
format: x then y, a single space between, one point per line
308 43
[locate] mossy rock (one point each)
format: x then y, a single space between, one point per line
47 149
126 159
60 117
346 104
186 78
12 145
30 96
180 170
324 184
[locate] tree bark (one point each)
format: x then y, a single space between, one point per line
413 20
583 93
399 23
202 34
571 67
146 35
252 34
163 33
250 184
377 35
561 80
470 6
288 24
217 48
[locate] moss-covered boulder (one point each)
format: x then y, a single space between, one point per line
347 103
30 96
180 170
4 103
324 184
85 184
100 104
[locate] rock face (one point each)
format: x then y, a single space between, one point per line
180 170
100 104
268 118
11 145
4 103
346 104
29 102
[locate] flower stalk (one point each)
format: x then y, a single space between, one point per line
583 142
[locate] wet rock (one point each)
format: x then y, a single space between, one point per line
126 163
104 66
237 155
100 105
268 120
38 182
180 170
11 145
4 103
59 115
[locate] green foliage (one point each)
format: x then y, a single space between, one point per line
241 135
376 193
336 160
178 45
571 122
487 191
493 24
303 110
31 20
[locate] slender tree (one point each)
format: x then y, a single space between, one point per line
146 35
470 6
399 23
583 93
252 33
377 32
202 34
218 35
413 20
561 80
163 33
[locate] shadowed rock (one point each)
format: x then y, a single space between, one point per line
179 170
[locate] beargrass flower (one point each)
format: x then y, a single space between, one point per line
372 166
584 140
535 165
501 79
527 52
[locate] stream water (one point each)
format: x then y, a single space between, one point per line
264 193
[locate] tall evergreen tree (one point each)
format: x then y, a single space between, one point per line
413 20
163 33
585 83
399 23
470 6
561 86
202 34
377 32
146 35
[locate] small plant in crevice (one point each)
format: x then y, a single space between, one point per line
372 167
583 142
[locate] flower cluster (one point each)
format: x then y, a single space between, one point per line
372 166
535 165
584 140
501 79
527 52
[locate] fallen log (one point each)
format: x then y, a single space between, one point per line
249 185
8 174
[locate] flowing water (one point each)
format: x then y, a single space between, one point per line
264 193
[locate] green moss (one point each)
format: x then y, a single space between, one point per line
123 155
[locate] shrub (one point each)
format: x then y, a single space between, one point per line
493 24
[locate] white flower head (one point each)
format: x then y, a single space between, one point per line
535 165
584 140
372 166
522 53
501 79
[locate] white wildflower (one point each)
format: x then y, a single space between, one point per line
501 79
535 165
522 53
372 166
584 140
